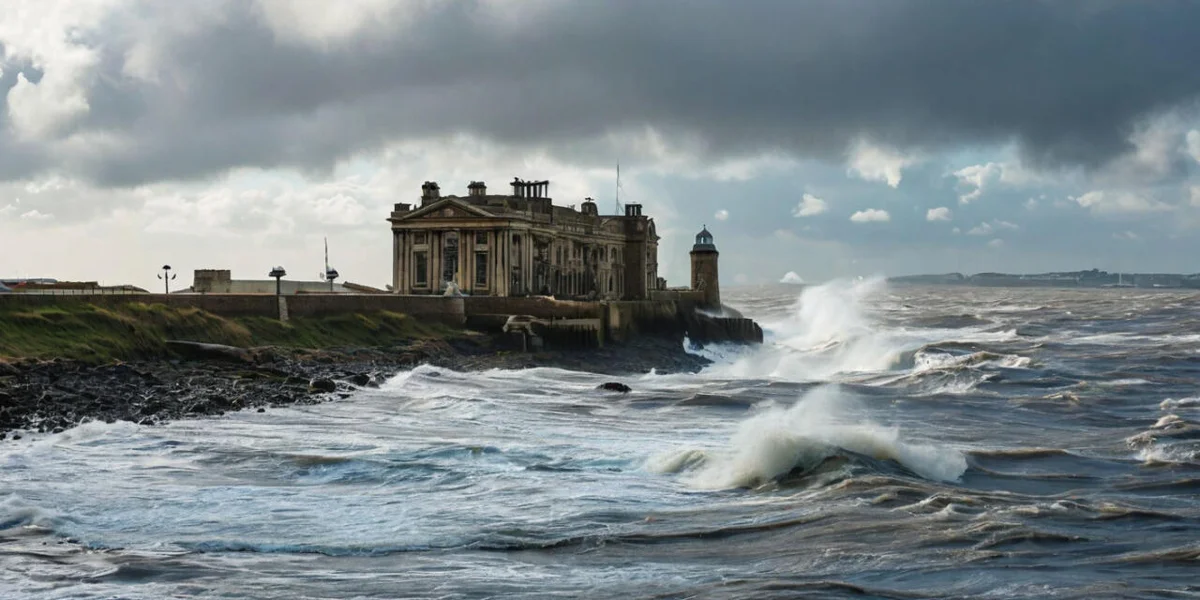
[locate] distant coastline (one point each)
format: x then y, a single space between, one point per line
1093 278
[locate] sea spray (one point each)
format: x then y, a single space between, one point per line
778 441
828 330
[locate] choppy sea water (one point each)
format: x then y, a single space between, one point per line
885 442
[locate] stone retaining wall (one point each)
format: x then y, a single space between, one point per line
618 321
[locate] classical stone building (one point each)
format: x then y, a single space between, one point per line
520 244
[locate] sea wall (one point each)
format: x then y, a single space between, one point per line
610 321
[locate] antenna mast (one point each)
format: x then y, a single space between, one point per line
618 188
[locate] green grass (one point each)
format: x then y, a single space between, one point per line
137 330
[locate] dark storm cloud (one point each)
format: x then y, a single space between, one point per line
1066 80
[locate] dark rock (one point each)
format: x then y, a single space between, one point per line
361 379
323 385
613 386
16 436
261 409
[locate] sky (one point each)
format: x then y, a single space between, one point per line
815 139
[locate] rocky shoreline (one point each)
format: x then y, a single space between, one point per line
200 380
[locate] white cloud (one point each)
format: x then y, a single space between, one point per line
741 279
1193 144
988 228
47 33
877 163
324 23
871 215
977 179
809 205
36 215
996 243
722 215
940 213
1031 204
1119 202
785 234
791 277
1194 197
1126 235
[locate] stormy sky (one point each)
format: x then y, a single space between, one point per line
824 138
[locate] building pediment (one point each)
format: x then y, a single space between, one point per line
446 208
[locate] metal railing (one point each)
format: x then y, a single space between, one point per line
73 292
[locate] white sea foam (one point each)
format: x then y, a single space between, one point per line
16 512
833 330
778 441
827 331
1172 403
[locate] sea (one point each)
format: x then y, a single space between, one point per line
884 442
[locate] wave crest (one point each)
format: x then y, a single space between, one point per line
779 441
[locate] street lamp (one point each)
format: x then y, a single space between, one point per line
278 274
167 277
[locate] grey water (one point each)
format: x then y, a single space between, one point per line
902 442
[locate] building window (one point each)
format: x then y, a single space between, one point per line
481 264
421 268
420 238
449 257
480 238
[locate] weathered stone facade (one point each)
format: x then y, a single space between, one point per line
520 244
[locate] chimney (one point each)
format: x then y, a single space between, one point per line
477 188
430 191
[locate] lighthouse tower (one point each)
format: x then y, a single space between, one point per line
704 270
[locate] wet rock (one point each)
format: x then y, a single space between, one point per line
613 386
322 385
360 379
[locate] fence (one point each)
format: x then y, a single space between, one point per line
23 291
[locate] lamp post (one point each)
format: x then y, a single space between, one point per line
166 277
278 274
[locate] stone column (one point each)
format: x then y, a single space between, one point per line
435 262
505 269
526 253
494 262
396 264
406 273
460 272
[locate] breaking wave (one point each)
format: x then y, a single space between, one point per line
823 424
827 331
